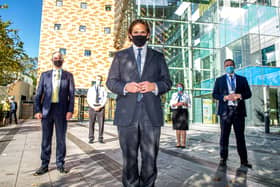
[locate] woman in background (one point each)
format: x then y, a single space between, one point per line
179 104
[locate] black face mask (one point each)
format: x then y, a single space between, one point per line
58 63
139 40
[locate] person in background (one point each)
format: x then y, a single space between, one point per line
6 111
231 90
13 110
96 98
179 104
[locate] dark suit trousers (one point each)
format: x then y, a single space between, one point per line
139 134
13 113
60 123
238 123
100 118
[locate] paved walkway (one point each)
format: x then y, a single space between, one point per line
100 164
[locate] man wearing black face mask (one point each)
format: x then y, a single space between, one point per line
139 75
54 105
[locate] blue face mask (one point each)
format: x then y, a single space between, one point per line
229 69
180 89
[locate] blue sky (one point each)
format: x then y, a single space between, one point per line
25 16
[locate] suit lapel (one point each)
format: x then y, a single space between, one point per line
131 54
133 59
62 79
148 60
237 84
224 84
49 80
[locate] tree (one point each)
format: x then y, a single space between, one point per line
11 54
30 68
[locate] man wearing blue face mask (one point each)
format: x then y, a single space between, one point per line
231 90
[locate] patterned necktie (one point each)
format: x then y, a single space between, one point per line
138 61
56 87
232 83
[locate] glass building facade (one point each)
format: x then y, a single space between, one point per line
196 36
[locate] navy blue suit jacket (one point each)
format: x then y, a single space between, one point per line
124 70
44 93
221 90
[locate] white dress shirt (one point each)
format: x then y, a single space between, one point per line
230 91
143 55
184 98
91 96
143 60
54 81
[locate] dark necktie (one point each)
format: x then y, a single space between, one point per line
179 97
138 61
232 83
97 95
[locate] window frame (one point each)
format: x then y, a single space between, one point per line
57 26
106 29
83 3
87 52
108 8
59 3
82 28
63 51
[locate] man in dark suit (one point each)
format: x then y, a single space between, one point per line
231 90
139 75
13 110
54 105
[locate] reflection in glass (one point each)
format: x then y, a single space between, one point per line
197 38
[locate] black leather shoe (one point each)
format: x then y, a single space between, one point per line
41 171
62 170
90 141
223 162
101 141
247 165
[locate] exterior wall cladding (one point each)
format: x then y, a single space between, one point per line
70 15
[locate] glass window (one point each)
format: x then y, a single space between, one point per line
83 5
107 30
59 3
177 75
175 57
82 28
57 26
108 7
62 51
269 56
87 53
